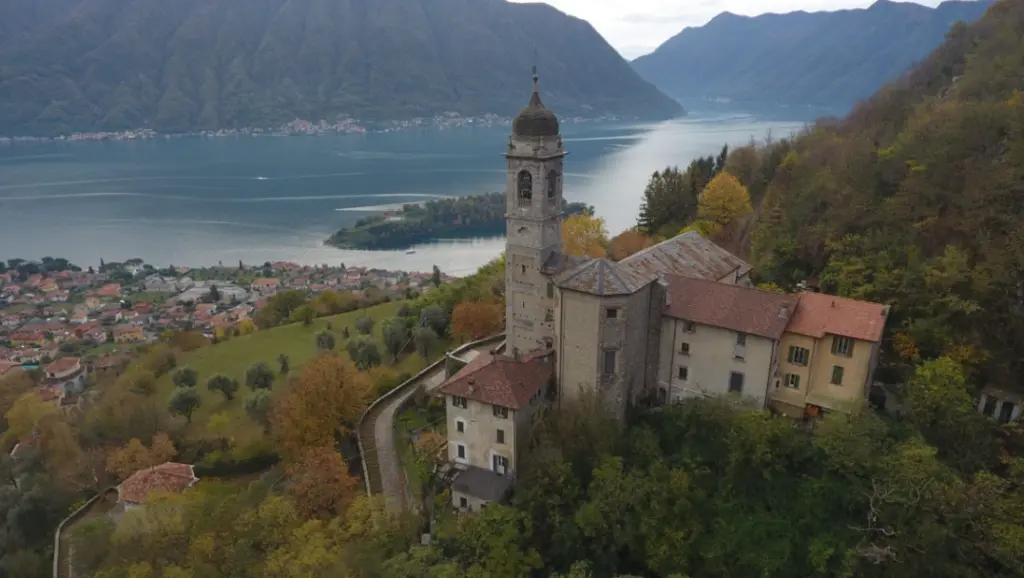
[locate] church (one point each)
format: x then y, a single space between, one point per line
677 320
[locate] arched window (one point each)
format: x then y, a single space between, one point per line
552 184
525 186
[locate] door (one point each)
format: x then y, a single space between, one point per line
735 382
499 464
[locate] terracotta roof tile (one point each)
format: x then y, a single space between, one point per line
501 380
818 314
168 477
743 309
62 365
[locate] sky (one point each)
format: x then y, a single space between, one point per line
636 27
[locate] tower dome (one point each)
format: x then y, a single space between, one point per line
535 119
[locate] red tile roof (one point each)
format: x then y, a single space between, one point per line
743 309
62 365
168 477
819 314
501 380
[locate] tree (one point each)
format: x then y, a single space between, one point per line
185 377
259 376
627 243
223 384
425 340
246 327
395 334
724 200
363 352
187 341
323 403
364 325
134 456
258 406
436 277
304 314
333 303
476 320
325 341
585 236
214 295
24 416
283 362
435 318
320 483
184 401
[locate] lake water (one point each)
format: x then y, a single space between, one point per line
196 201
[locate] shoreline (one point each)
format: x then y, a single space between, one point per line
301 127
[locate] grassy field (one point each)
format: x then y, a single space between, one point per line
234 356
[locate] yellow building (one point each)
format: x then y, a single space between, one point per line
828 355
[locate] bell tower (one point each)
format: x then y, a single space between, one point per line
533 214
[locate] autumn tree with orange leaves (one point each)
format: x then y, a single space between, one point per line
135 456
476 319
627 243
322 405
320 483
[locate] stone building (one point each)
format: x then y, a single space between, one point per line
676 320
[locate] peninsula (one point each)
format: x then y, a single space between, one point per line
417 223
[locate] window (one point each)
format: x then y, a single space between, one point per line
500 411
741 339
549 315
459 401
552 184
551 290
735 382
689 327
460 426
463 503
684 348
611 313
842 346
522 269
799 355
684 372
460 451
609 362
837 375
525 188
501 436
793 381
499 464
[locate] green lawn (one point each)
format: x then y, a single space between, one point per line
234 356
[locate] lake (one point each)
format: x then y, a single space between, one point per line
200 201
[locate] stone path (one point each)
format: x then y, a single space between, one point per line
377 431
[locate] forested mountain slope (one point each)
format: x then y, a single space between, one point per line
190 64
801 58
917 199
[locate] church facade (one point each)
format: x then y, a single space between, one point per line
679 319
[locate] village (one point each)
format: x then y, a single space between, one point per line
71 324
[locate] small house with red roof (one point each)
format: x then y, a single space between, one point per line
828 354
140 486
490 405
67 373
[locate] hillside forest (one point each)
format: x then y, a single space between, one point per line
913 200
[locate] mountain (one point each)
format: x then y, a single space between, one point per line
915 199
201 64
820 58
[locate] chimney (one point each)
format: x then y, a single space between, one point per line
833 302
472 383
784 312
